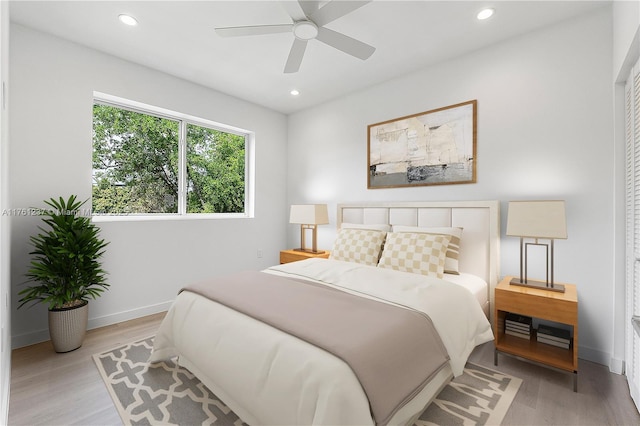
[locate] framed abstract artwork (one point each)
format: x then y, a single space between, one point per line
436 147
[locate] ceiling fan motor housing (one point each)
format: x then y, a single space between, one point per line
305 30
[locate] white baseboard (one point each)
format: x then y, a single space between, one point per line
616 366
128 315
594 355
43 335
27 339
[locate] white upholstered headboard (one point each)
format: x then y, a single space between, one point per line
480 220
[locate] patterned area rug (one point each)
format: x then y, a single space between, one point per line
165 393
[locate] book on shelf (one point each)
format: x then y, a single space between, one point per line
552 338
555 334
518 319
518 330
518 326
517 334
542 339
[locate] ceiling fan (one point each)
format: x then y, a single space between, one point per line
308 23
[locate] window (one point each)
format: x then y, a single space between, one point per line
148 161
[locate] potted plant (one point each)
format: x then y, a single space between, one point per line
67 271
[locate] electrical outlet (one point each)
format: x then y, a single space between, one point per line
259 253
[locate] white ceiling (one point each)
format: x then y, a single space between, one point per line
178 37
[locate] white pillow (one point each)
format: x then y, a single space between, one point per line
419 253
358 245
374 227
451 264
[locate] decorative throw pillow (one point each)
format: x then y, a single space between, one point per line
358 245
419 253
451 265
374 227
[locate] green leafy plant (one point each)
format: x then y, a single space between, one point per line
66 265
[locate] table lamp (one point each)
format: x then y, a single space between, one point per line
537 220
309 216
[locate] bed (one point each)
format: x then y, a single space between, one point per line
268 376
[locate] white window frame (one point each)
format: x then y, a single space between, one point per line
183 120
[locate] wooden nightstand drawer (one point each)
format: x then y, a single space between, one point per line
287 256
540 305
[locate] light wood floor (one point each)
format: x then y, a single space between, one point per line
546 395
66 389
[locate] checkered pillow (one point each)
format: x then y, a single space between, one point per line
358 245
451 265
415 252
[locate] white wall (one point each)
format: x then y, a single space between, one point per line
5 283
545 126
51 109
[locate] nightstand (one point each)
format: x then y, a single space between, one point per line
543 305
287 256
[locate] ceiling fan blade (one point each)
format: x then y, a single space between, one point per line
345 43
253 30
294 9
309 6
295 56
334 10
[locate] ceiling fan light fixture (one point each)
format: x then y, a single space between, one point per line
305 30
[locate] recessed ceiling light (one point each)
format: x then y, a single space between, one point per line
294 92
485 13
127 19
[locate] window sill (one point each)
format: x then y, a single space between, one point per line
167 217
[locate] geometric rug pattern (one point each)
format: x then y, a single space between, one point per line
480 396
167 394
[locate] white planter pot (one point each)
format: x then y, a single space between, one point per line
67 327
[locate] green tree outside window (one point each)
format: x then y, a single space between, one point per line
136 165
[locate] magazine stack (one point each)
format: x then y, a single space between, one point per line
517 325
554 336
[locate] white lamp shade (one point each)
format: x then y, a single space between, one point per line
537 219
309 214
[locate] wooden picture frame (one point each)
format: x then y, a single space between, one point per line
436 147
